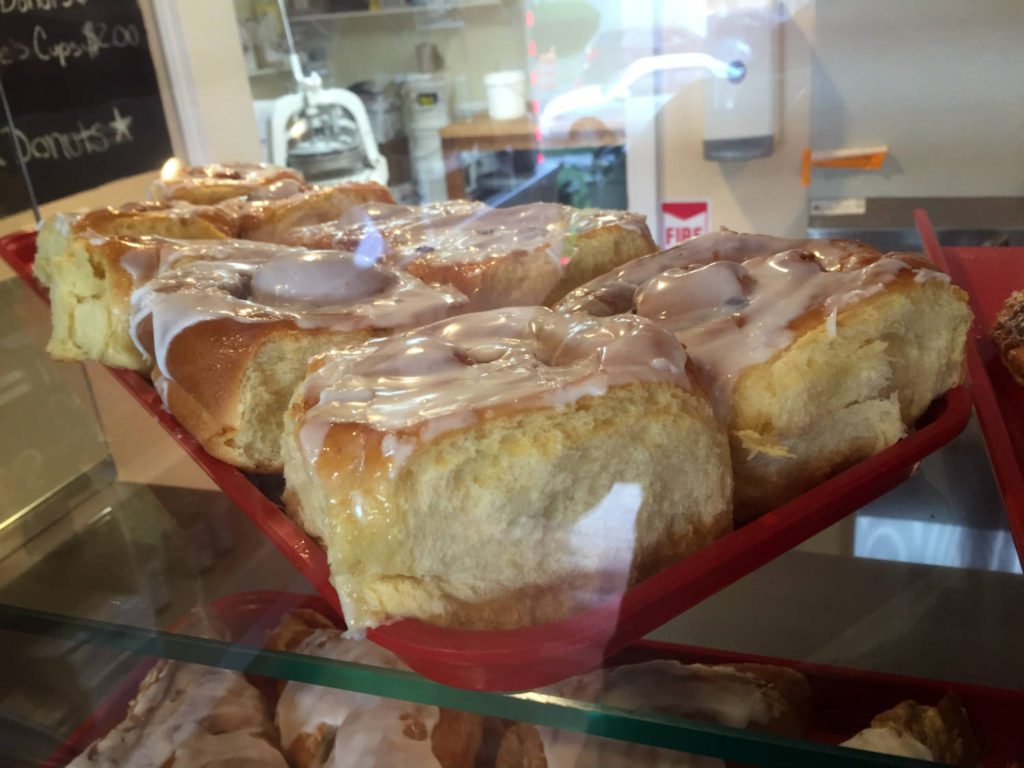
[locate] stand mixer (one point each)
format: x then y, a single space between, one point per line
323 132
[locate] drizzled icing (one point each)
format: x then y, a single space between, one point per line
260 282
187 714
238 178
459 232
732 299
355 728
433 379
888 741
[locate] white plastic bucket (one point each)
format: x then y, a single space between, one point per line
506 94
426 101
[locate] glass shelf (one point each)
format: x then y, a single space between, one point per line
913 584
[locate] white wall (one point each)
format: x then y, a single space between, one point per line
940 81
203 57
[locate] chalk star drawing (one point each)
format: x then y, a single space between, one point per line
121 126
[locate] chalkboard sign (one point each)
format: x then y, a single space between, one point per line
79 78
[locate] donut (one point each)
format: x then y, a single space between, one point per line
322 726
941 734
816 353
230 331
1008 335
216 182
189 715
269 212
758 697
90 299
184 221
521 256
503 468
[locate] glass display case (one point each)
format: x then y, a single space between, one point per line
538 565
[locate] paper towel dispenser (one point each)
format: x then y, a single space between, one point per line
740 99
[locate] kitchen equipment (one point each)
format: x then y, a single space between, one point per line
325 132
426 113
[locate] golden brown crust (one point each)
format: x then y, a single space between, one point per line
295 626
271 220
210 190
945 729
521 747
456 738
214 366
1008 335
196 222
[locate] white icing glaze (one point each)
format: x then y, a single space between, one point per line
435 378
731 298
890 742
366 730
460 232
250 178
260 282
193 715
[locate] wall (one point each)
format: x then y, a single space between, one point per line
203 57
762 195
492 38
940 81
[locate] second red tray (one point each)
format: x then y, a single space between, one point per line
990 275
531 657
843 701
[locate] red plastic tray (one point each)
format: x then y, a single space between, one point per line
526 658
843 700
990 275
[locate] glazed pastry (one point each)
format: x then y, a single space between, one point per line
189 715
816 353
1008 335
504 468
323 727
231 330
216 182
940 734
267 213
67 237
754 696
498 257
90 303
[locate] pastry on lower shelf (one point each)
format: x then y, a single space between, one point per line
499 257
754 696
189 715
817 353
941 733
504 468
1008 335
65 234
324 727
268 213
231 334
216 182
